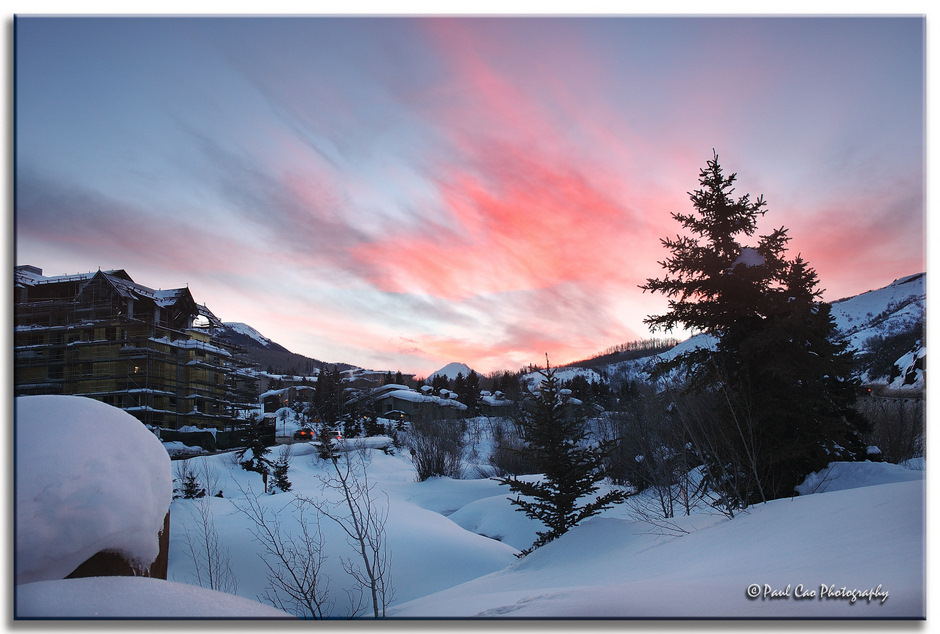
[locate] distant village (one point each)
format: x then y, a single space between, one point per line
162 357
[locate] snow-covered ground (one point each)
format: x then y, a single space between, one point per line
453 545
858 530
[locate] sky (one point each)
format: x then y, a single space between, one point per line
400 193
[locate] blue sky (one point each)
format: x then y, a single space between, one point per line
399 193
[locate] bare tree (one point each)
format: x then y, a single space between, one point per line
363 521
293 559
897 426
211 559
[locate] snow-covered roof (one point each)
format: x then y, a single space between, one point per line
89 477
385 389
417 397
192 344
27 275
132 290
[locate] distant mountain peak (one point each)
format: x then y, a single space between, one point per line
451 370
248 331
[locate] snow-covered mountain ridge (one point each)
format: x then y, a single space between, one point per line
894 314
898 306
248 331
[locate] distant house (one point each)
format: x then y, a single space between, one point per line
273 400
402 399
149 352
495 404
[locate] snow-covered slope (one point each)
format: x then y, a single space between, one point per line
897 308
885 311
865 539
248 331
133 598
858 530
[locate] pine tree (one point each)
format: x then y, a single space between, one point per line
471 395
555 440
191 487
281 467
328 398
780 381
252 457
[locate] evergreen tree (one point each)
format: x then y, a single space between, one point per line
281 466
253 456
328 398
460 385
780 381
471 395
191 487
555 440
440 382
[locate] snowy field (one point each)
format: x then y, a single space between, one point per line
453 545
853 546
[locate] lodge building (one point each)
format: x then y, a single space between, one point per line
150 352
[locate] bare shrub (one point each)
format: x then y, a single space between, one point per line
509 456
363 520
436 447
897 426
211 559
292 551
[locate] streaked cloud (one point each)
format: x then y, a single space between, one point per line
402 193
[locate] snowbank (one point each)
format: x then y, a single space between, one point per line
133 598
89 477
177 448
839 476
836 545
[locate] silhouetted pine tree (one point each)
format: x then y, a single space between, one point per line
779 379
555 441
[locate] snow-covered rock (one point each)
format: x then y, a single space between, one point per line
89 477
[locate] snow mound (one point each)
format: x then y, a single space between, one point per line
177 448
133 598
862 540
89 477
840 476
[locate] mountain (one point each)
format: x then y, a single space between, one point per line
247 337
269 355
451 370
897 307
885 327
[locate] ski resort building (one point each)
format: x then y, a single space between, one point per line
149 352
